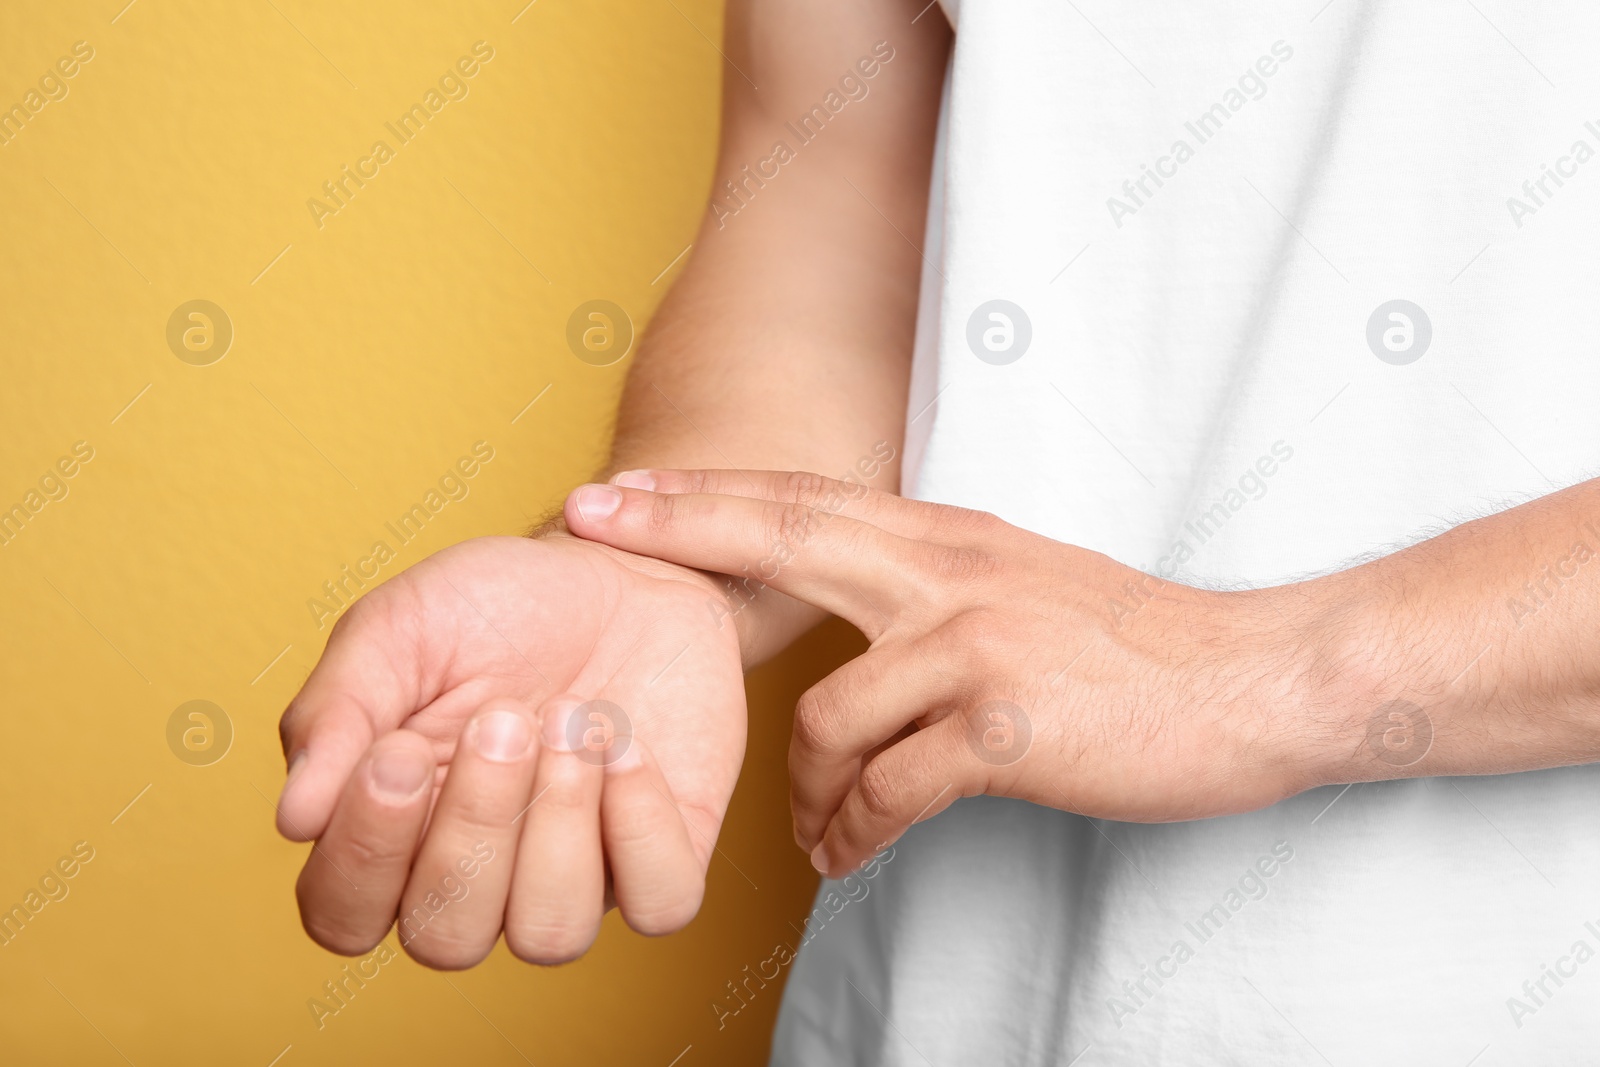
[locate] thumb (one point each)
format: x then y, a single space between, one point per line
354 695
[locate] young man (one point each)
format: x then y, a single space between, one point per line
1208 304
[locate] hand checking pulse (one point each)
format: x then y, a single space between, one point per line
1004 662
997 664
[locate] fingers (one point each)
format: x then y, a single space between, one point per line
454 905
558 887
845 566
657 876
902 785
916 519
863 704
353 695
596 788
352 881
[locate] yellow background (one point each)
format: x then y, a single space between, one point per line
368 354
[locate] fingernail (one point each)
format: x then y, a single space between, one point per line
501 736
636 480
626 759
555 732
399 773
819 859
597 502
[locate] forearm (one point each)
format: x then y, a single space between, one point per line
1475 652
776 351
767 367
786 343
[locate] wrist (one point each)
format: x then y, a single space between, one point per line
767 621
1349 721
1248 681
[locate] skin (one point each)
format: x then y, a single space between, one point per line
527 630
809 291
1003 662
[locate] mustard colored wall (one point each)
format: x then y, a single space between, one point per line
184 494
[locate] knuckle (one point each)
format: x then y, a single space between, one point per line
977 521
663 515
815 725
371 851
803 487
962 566
562 798
792 525
968 633
630 826
480 817
879 792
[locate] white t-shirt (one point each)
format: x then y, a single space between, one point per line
1288 286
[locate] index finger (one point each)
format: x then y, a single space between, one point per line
851 568
353 878
834 496
907 783
919 520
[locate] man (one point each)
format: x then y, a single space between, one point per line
1208 304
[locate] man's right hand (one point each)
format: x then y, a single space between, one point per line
786 342
449 721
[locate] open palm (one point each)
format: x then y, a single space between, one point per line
642 716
